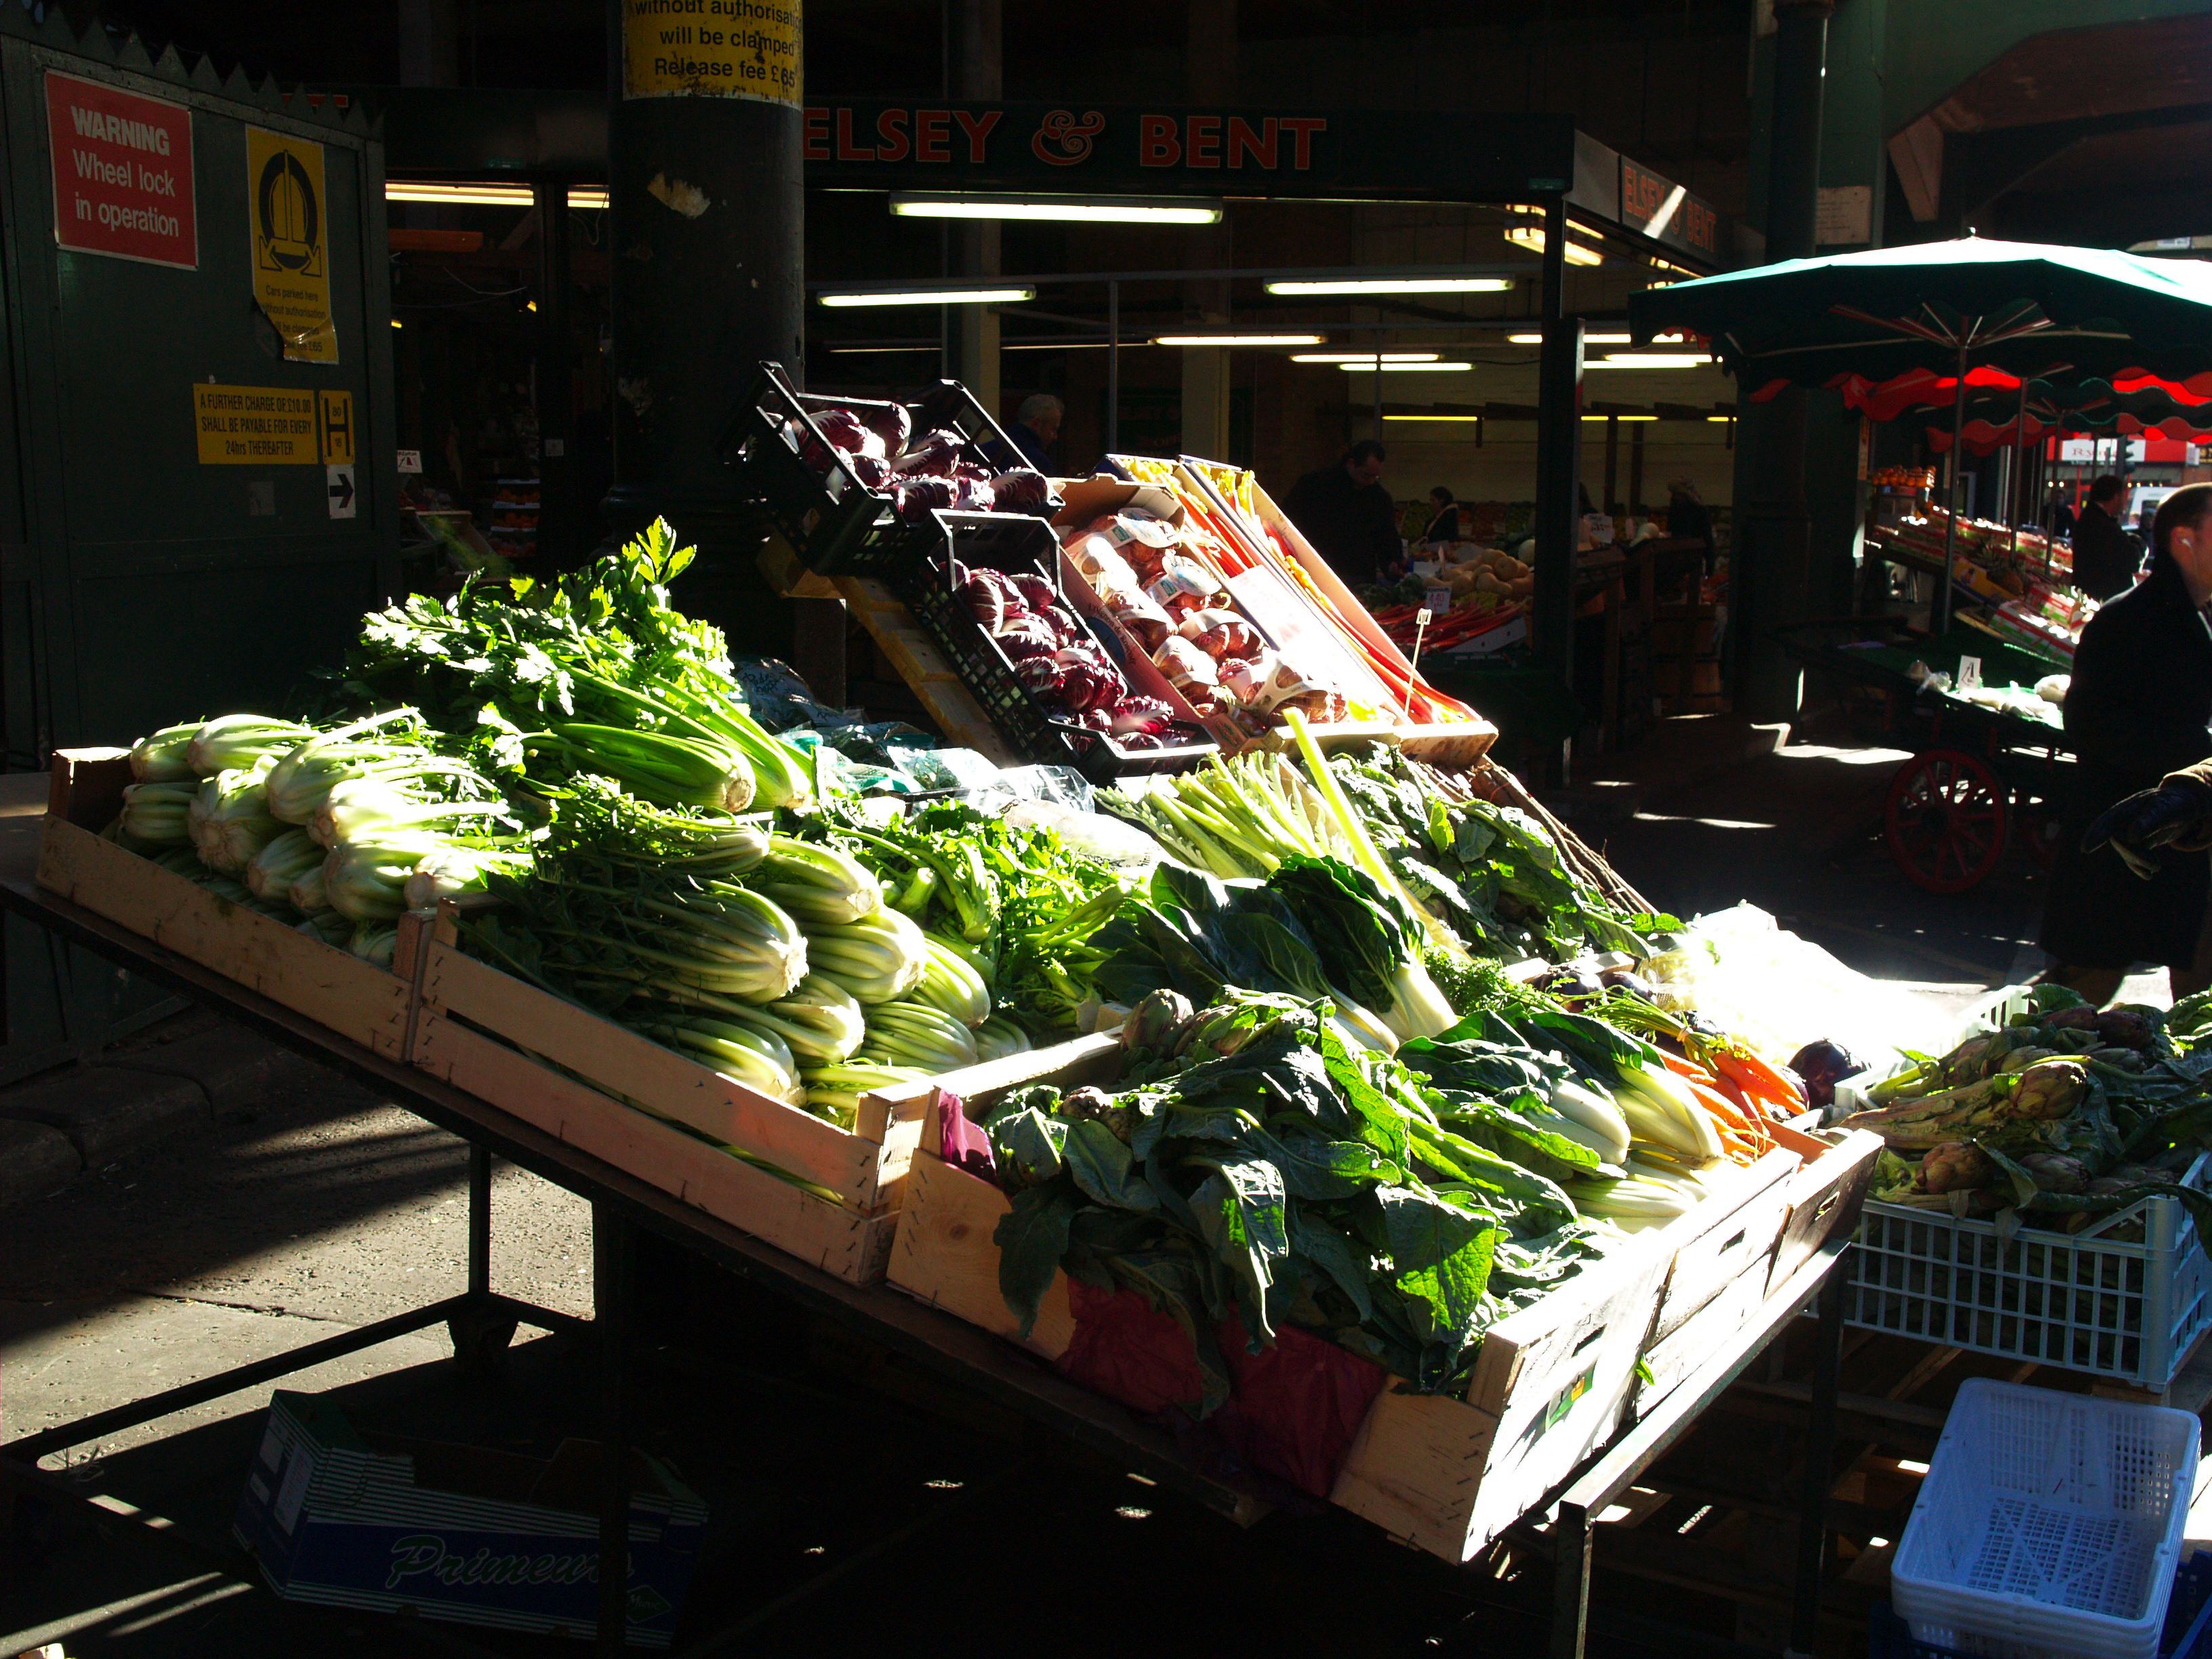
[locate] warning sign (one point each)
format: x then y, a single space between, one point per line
712 49
289 216
255 426
123 173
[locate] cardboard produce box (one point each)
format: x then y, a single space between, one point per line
481 1537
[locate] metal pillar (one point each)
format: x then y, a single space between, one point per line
1772 565
1559 461
1113 368
611 1247
975 70
563 531
707 228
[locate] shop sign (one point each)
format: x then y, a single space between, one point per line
255 426
123 180
712 49
1666 212
289 218
1158 149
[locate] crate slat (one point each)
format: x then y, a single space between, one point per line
368 1004
662 1080
853 1247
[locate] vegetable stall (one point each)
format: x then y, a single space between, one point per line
1273 1066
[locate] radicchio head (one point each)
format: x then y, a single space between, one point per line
1027 636
847 432
1092 681
932 457
1141 715
893 425
915 499
1021 491
872 472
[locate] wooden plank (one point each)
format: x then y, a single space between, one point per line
657 1078
853 1247
355 999
944 1255
1825 1198
1719 1242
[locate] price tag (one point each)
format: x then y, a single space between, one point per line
1421 618
1970 673
1439 599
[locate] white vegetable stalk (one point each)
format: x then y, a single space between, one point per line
459 872
365 806
878 958
159 814
280 863
231 741
229 820
161 758
834 1091
366 880
821 1022
819 885
998 1037
950 982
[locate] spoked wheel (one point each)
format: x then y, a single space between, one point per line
1945 820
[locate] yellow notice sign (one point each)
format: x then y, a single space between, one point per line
255 426
712 49
289 216
334 422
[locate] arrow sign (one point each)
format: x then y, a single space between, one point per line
340 488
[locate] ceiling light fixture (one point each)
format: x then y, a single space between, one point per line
1532 238
1650 360
1364 356
1238 339
1369 367
933 297
1594 339
1463 419
438 194
1103 209
1406 284
1620 417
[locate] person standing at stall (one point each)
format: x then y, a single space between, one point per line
2106 556
1444 526
1347 516
2137 712
1689 518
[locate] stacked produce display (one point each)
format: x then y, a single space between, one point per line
1340 1111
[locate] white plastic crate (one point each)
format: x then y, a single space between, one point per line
2048 1527
2129 1307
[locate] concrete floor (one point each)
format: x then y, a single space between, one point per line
853 1500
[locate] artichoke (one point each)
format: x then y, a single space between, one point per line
2050 1089
2056 1172
1955 1167
1154 1018
1121 1121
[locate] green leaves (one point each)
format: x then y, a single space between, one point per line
1031 1237
1441 1256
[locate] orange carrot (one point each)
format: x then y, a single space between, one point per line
1773 1085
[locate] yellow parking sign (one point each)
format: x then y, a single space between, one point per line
334 425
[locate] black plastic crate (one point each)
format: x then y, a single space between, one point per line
835 524
2187 1633
1019 546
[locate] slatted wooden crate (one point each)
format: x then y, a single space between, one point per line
649 1111
355 999
1552 1384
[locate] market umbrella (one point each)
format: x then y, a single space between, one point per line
1947 308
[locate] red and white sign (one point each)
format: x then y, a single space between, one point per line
123 183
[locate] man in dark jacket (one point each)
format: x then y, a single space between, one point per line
2137 711
1347 516
2106 556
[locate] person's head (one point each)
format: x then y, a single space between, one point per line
1042 413
2183 532
2106 493
1364 461
1682 490
1440 497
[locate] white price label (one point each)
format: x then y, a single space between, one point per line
1970 673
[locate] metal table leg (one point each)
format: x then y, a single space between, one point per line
1819 1464
611 1245
1570 1578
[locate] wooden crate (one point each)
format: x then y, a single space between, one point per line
1552 1384
649 1111
360 1001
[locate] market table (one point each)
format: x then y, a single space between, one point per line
481 1321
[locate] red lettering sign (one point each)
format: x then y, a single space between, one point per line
1205 135
847 149
933 134
1260 145
123 180
978 128
1156 142
890 133
1700 227
814 136
1302 129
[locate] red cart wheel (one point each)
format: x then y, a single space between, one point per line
1945 820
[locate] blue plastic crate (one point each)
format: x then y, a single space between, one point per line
2188 1623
